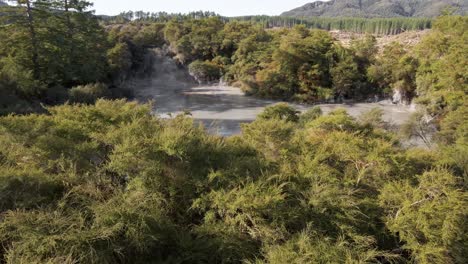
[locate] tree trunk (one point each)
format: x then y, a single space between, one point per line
69 34
70 28
33 37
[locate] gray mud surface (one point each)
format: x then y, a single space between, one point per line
223 108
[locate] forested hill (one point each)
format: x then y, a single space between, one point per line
378 8
2 3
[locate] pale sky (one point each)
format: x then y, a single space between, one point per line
222 7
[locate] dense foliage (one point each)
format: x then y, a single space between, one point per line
309 65
50 46
110 183
292 64
298 63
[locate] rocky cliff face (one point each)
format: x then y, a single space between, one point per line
378 8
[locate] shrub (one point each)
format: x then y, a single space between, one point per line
281 111
89 93
311 115
204 71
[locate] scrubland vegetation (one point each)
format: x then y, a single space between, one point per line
105 181
109 183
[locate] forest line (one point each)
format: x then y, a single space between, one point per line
379 26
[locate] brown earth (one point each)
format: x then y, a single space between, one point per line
408 39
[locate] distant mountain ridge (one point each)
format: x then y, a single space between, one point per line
378 8
2 3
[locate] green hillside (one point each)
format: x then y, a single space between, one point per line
378 8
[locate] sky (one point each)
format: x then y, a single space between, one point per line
222 7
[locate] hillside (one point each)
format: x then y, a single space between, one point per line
407 39
377 8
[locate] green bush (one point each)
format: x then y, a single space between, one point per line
204 71
89 93
281 111
111 183
310 115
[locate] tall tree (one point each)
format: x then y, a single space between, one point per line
32 34
24 17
